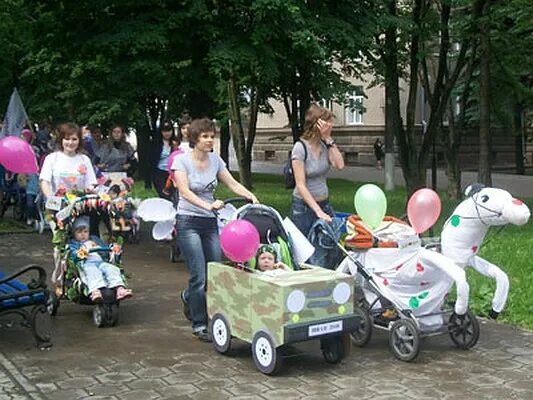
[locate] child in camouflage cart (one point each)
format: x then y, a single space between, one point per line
267 259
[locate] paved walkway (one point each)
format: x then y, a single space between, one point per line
152 355
518 185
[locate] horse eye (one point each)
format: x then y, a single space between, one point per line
484 198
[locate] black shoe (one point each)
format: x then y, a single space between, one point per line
203 335
186 310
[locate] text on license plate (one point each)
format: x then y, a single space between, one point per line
322 329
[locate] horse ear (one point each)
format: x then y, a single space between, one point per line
473 189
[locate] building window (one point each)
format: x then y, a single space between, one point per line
327 104
355 109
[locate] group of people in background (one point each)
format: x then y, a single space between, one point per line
194 174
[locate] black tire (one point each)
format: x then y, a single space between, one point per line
53 304
404 340
220 332
266 356
464 330
362 335
99 316
334 348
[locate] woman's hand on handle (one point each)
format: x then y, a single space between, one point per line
322 215
216 205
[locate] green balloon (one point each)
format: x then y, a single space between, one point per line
370 204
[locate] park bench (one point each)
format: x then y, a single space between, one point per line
28 300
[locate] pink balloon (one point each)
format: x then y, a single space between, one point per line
16 155
423 209
171 159
239 240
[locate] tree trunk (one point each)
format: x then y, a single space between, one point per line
519 140
393 119
485 148
144 146
243 147
225 138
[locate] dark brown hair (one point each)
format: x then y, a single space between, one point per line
68 129
199 126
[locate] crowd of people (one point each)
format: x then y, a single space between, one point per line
79 155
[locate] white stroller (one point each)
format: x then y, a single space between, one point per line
403 288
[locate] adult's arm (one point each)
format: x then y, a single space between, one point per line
335 157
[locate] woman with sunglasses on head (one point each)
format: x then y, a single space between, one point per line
197 174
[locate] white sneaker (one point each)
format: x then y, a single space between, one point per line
29 222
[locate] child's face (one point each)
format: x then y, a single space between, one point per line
113 194
266 261
81 235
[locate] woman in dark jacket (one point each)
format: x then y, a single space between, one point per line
166 144
117 155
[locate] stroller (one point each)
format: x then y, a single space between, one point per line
122 214
67 278
403 288
269 224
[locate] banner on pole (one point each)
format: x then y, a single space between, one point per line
15 118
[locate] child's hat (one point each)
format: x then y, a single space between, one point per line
80 223
267 248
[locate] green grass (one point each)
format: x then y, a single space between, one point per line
8 225
511 249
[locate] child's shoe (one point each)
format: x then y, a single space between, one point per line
123 293
96 296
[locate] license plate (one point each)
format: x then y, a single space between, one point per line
322 329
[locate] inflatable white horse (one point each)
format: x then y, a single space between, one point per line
465 230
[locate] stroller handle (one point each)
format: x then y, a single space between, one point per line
237 200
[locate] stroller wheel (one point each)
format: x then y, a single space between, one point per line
99 316
335 348
362 335
464 330
53 304
220 334
266 356
404 340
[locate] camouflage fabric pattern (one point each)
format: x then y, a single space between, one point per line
253 301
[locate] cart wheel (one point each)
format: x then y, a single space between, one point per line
362 335
113 317
99 316
404 340
2 208
220 333
464 330
266 357
53 304
334 348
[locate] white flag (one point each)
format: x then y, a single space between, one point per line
15 117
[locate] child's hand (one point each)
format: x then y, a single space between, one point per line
116 248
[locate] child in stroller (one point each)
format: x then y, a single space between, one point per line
76 276
94 271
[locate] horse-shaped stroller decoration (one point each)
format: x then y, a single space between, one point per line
464 232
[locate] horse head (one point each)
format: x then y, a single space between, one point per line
492 206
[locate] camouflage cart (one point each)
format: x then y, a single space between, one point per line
272 310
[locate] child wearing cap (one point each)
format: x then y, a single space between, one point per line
96 273
267 259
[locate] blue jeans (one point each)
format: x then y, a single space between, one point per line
199 243
304 217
